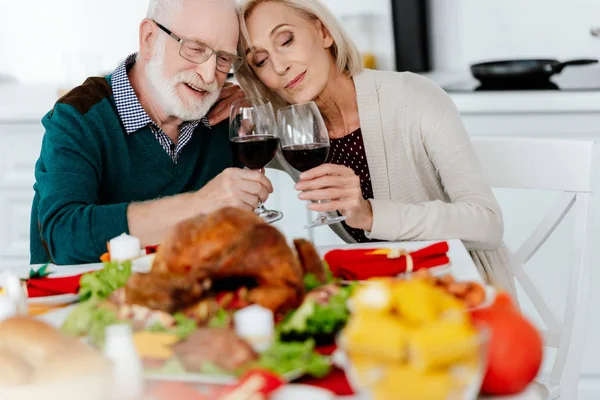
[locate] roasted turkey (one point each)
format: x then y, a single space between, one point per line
220 252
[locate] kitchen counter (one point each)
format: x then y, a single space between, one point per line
29 102
26 102
523 101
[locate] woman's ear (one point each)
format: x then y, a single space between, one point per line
325 35
148 36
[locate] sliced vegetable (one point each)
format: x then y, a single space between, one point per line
254 384
184 326
90 318
314 319
283 358
221 320
100 284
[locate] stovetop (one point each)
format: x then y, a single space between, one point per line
572 79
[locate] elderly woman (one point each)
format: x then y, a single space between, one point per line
401 166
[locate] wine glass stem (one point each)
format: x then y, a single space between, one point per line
260 209
322 216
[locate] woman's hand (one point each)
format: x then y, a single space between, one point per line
220 110
341 186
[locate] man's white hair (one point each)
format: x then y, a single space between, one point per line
162 10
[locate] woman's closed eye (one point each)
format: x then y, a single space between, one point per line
259 61
285 39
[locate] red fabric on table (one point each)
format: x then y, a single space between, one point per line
358 272
357 264
336 382
43 287
151 249
254 382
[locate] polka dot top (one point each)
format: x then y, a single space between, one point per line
350 152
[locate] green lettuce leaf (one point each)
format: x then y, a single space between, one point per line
314 319
100 284
183 328
283 358
90 318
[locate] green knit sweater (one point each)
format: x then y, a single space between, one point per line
89 171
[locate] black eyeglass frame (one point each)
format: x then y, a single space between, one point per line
236 62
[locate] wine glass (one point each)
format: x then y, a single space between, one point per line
305 144
254 141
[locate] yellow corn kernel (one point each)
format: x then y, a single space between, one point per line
442 344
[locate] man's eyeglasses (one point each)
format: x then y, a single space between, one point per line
198 52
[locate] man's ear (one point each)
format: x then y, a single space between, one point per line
327 39
148 36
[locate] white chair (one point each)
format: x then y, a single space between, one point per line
558 165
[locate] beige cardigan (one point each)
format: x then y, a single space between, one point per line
427 181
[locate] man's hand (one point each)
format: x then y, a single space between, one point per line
341 187
220 111
234 187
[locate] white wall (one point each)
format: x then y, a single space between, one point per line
38 38
66 41
466 31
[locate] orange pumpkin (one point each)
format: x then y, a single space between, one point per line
515 349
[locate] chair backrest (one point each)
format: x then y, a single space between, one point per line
537 163
570 166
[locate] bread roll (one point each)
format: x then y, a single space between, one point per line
74 364
38 362
14 370
35 341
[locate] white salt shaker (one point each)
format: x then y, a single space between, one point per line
256 325
14 291
8 308
124 247
127 378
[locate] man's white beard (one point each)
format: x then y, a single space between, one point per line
165 91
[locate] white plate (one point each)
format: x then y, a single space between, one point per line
210 379
58 300
302 392
207 379
143 264
490 297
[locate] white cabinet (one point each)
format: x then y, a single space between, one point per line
19 150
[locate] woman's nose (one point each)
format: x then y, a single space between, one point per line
281 65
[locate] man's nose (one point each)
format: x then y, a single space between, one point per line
208 70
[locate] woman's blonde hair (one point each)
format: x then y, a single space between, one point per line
345 53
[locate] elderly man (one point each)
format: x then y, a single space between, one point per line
134 151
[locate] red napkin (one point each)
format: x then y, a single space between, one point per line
151 249
41 287
358 264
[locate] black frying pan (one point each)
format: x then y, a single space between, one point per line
522 70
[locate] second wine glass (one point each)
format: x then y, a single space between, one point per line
305 145
254 141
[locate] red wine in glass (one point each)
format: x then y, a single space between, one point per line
305 145
305 156
251 121
254 151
